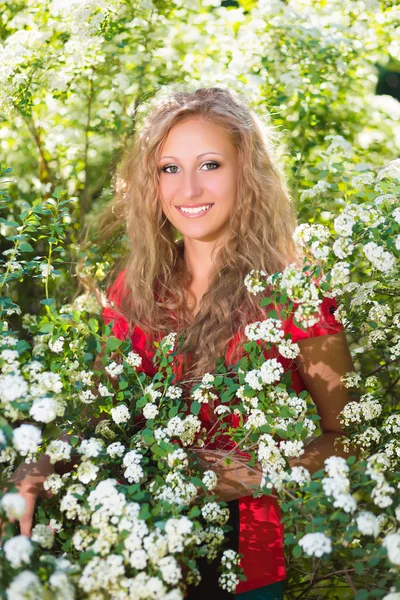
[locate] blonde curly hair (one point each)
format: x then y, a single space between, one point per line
260 230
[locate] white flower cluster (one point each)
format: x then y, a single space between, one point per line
178 459
214 513
292 448
168 342
340 275
116 449
70 503
151 410
377 464
392 544
254 283
392 170
270 371
44 409
210 479
174 392
43 535
176 490
337 484
120 414
367 409
58 450
392 424
367 438
134 470
13 505
351 379
300 475
271 460
379 313
58 345
91 447
27 439
304 233
288 349
114 369
184 429
133 359
229 579
343 247
319 188
367 523
203 393
269 330
18 551
316 544
381 259
154 394
296 405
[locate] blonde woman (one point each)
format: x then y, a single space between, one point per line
203 202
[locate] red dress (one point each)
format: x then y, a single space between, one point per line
260 528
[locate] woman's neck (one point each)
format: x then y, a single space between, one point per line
198 262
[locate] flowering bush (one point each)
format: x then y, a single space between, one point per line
136 511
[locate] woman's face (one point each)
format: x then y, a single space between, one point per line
198 168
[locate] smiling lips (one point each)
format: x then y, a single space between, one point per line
194 210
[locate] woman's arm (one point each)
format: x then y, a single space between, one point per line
321 363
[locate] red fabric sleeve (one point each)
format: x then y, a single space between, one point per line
114 294
327 325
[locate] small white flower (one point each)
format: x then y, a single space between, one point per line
58 450
57 346
13 505
150 411
114 369
210 479
115 449
316 544
43 535
87 471
44 410
18 551
27 439
134 360
120 414
367 523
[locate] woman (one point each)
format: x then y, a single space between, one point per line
203 203
201 170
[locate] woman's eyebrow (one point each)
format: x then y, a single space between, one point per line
199 156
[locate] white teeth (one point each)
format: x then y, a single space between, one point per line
195 210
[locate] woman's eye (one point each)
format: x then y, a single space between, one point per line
214 164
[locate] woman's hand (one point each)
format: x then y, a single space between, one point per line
29 479
235 479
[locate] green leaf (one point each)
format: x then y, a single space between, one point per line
362 595
25 247
297 551
113 343
46 327
73 440
94 325
48 301
195 407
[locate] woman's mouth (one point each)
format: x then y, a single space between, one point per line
193 213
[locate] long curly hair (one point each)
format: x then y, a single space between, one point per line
260 230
